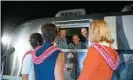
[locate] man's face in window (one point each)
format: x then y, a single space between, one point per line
62 34
84 32
76 39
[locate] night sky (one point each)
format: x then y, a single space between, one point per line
15 13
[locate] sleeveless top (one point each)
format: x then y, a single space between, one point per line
44 68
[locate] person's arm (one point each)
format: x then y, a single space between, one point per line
59 67
90 63
25 76
26 66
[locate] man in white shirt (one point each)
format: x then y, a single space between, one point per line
28 66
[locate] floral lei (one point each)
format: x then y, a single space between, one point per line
44 55
113 63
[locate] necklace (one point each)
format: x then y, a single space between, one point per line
44 55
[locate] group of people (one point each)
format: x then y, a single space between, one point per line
46 60
62 41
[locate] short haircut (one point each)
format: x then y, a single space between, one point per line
49 32
61 29
75 35
100 31
84 28
37 37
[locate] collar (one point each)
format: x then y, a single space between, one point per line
47 44
77 44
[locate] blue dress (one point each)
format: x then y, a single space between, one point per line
45 70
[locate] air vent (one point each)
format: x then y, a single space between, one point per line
73 12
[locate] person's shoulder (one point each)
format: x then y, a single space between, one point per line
61 52
70 44
28 56
82 44
57 37
28 53
92 49
92 53
27 60
61 55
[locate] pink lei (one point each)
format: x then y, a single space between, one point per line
113 63
45 54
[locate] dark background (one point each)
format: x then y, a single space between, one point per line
15 13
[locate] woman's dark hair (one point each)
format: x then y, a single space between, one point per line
49 32
37 37
36 40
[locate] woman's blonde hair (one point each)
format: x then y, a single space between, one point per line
100 31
